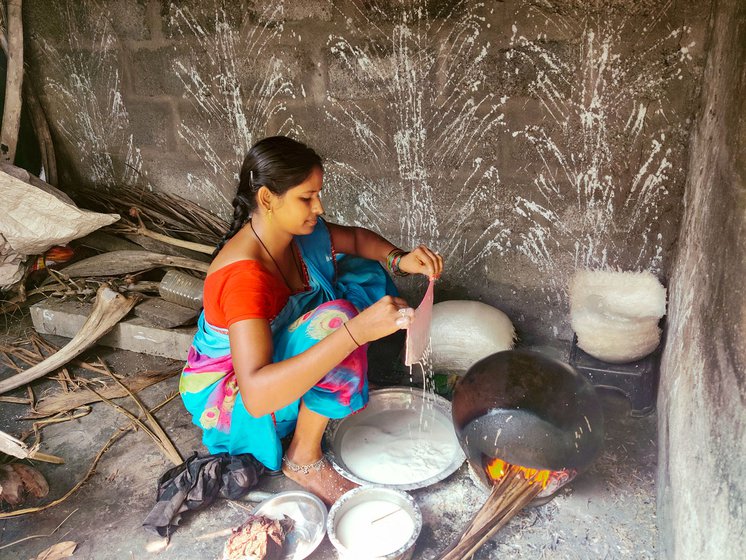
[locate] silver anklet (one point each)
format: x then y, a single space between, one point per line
305 469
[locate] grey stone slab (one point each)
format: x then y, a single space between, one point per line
67 317
162 313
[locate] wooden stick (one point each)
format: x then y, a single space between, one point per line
39 536
64 378
115 437
472 543
43 134
61 402
40 123
508 496
15 400
143 230
116 263
165 442
13 83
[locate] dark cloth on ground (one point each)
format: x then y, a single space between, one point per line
196 483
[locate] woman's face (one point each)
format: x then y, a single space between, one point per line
298 209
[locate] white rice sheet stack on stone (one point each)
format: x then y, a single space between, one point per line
615 314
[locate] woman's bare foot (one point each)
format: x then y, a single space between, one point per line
319 478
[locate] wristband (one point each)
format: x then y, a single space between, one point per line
352 337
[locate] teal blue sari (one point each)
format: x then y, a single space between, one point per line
340 287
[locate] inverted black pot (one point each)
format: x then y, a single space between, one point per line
528 410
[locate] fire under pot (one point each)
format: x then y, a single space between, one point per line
522 409
528 425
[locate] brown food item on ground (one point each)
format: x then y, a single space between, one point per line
33 481
11 485
258 538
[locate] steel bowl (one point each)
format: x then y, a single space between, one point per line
360 495
309 516
392 398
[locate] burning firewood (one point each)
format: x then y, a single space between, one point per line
259 538
513 487
518 408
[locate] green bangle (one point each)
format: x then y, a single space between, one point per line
393 260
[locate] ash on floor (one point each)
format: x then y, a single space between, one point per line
607 512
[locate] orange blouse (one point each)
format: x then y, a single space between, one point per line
242 290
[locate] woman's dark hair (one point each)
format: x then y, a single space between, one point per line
278 163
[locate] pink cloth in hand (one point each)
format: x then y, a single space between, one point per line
418 333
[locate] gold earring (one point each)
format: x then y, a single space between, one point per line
269 214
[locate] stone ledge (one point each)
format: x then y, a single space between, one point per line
66 318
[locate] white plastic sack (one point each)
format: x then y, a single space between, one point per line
615 315
11 265
463 332
32 220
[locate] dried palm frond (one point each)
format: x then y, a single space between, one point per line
110 308
62 402
165 213
117 263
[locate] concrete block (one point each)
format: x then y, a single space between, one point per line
195 180
318 10
207 17
355 77
152 122
66 318
153 71
199 128
127 18
165 314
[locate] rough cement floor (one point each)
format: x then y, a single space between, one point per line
606 513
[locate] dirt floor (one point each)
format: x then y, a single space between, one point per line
606 513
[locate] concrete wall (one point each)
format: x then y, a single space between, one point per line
521 139
702 397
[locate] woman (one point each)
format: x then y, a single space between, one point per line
290 303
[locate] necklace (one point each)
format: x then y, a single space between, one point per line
292 250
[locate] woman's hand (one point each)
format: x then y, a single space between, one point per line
422 261
387 315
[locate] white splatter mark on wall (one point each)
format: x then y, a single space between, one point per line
427 168
604 173
91 115
234 110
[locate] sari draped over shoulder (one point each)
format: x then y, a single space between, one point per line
339 288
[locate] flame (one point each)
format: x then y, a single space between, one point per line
498 468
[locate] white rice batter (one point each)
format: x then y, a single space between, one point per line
375 528
399 447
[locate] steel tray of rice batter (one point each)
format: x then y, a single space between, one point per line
392 398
